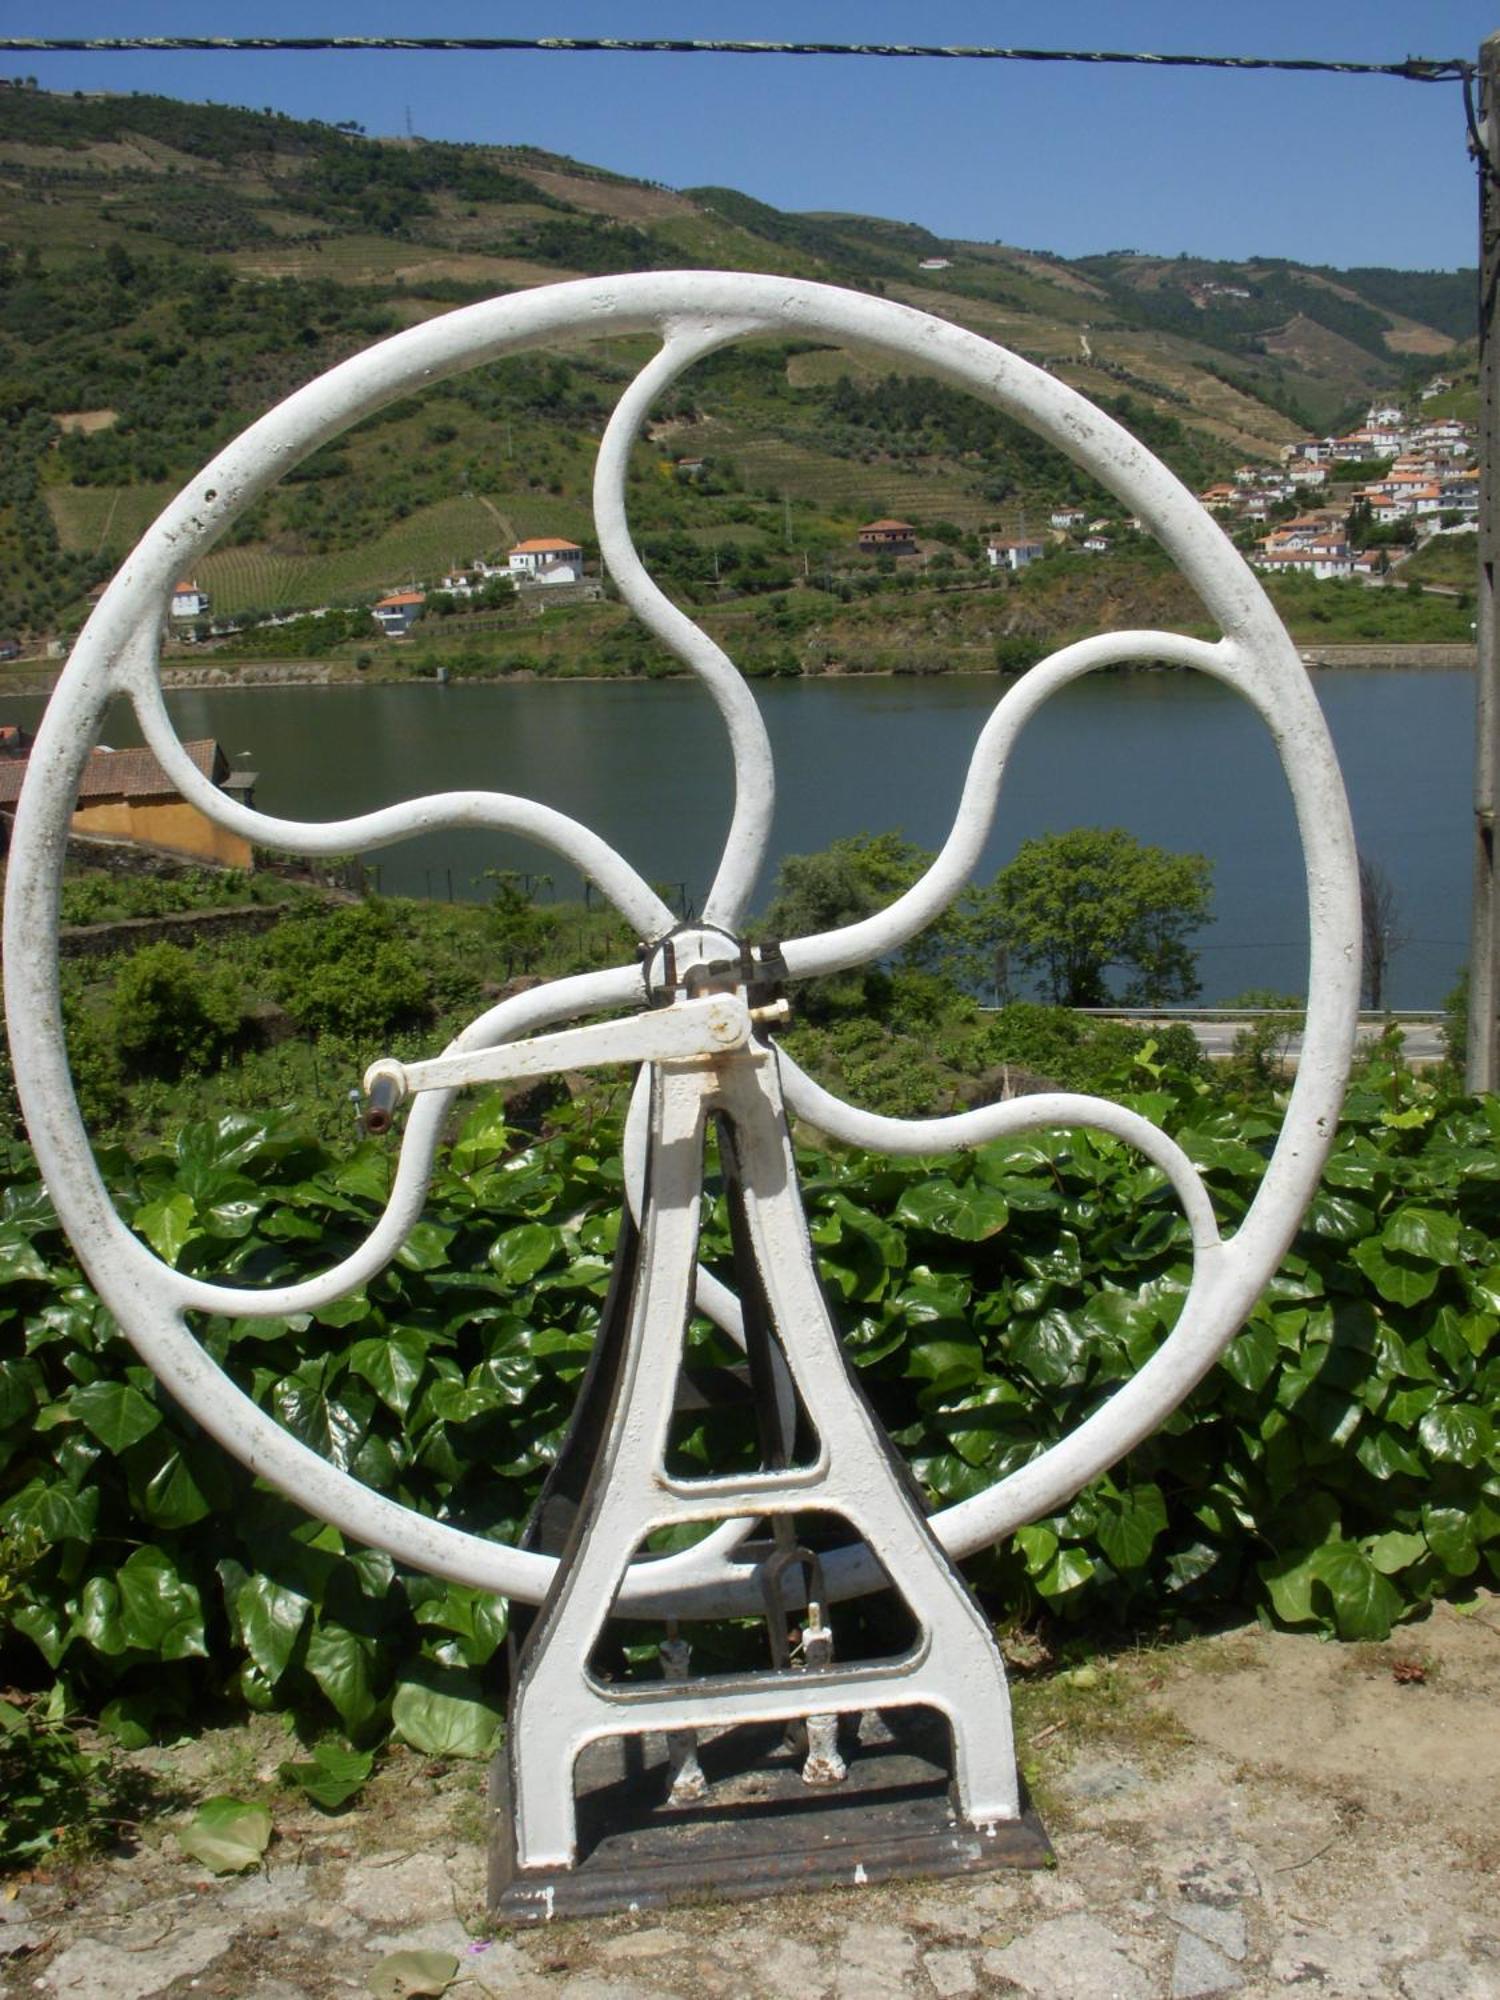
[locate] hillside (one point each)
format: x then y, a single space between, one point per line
168 269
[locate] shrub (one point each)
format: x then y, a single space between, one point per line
347 971
168 1014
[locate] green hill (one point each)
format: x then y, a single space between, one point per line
167 270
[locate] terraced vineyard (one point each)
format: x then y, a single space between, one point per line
105 520
417 549
854 488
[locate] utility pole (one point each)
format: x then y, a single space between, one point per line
1483 1067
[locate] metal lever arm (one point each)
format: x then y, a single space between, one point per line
693 1028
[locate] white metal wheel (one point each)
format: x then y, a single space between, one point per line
692 313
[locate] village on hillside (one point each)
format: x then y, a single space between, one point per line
1352 506
1403 477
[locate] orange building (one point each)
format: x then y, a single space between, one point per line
126 795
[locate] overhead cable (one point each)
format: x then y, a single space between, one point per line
1412 69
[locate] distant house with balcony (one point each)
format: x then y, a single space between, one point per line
189 600
546 559
396 614
126 795
891 538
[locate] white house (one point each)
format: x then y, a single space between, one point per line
1320 560
188 601
396 614
1096 544
1006 552
546 559
1068 517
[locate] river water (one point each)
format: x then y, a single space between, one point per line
1173 757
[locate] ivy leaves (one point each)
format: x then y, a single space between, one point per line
1339 1469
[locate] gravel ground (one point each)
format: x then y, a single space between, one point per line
1251 1814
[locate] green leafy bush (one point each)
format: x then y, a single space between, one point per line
167 1014
347 971
1338 1470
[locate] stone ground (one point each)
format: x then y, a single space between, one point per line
1253 1814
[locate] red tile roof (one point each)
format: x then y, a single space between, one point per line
120 774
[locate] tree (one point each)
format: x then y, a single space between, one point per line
518 929
1073 905
866 872
853 878
1381 929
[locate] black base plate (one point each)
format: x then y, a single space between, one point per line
760 1831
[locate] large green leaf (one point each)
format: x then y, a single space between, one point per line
1450 1536
477 1620
19 1257
167 1225
409 1975
1402 1282
227 1835
175 1484
52 1511
1365 1603
346 1666
445 1714
426 1247
332 1776
970 1211
1052 1350
333 1423
1068 1570
1335 1584
931 1295
1396 1550
392 1364
1251 1357
1458 1433
518 1254
1129 1524
1038 1544
160 1610
271 1620
1427 1233
116 1413
22 1389
946 1364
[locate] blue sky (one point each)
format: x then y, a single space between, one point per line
1332 170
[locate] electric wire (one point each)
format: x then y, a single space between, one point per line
1412 69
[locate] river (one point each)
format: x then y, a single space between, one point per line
1174 758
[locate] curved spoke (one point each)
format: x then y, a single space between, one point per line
500 812
754 773
965 1129
874 936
